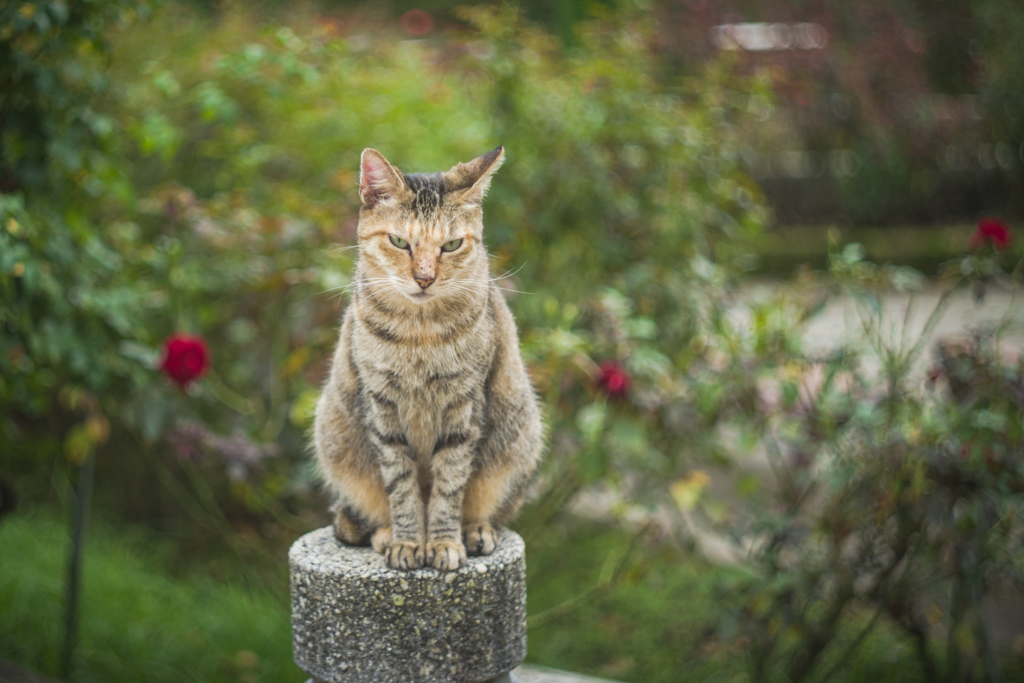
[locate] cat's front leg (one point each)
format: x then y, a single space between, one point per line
451 466
403 546
405 549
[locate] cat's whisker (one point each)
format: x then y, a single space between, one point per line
372 281
507 273
492 280
463 295
343 289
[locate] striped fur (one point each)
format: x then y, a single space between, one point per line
427 430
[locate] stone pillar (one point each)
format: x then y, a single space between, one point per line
356 621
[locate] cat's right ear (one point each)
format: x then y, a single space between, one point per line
379 181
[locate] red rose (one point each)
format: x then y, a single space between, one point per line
417 23
992 230
185 358
612 378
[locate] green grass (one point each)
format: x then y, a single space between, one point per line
137 622
141 622
649 625
662 621
600 602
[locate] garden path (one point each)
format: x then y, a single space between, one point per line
839 321
530 673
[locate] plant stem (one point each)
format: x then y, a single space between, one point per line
223 393
986 646
933 319
83 494
956 611
166 477
921 641
853 646
605 581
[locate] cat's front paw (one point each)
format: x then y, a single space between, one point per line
404 555
446 555
481 538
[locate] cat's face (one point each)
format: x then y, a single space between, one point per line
421 236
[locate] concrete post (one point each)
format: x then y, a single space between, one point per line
356 621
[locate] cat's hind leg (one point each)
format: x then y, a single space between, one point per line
493 496
479 537
350 527
496 491
362 509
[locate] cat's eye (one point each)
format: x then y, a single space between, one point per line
398 242
451 246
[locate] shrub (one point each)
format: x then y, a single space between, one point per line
893 497
621 214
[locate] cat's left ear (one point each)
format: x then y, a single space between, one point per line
474 177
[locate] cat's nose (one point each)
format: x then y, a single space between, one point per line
424 281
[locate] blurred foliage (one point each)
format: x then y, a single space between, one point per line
139 622
906 115
910 113
557 16
233 206
649 612
197 174
51 70
783 250
65 312
888 497
186 623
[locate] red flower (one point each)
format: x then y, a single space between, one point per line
417 23
612 378
992 230
185 358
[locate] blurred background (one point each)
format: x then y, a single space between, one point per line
761 256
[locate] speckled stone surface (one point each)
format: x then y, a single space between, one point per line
355 621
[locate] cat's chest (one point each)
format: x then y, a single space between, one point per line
425 372
424 385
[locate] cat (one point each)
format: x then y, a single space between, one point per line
428 430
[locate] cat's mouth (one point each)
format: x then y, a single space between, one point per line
421 296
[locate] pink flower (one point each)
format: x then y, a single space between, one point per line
994 231
187 440
186 358
612 378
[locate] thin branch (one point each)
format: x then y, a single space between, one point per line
604 583
933 320
854 645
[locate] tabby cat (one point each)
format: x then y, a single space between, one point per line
428 430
